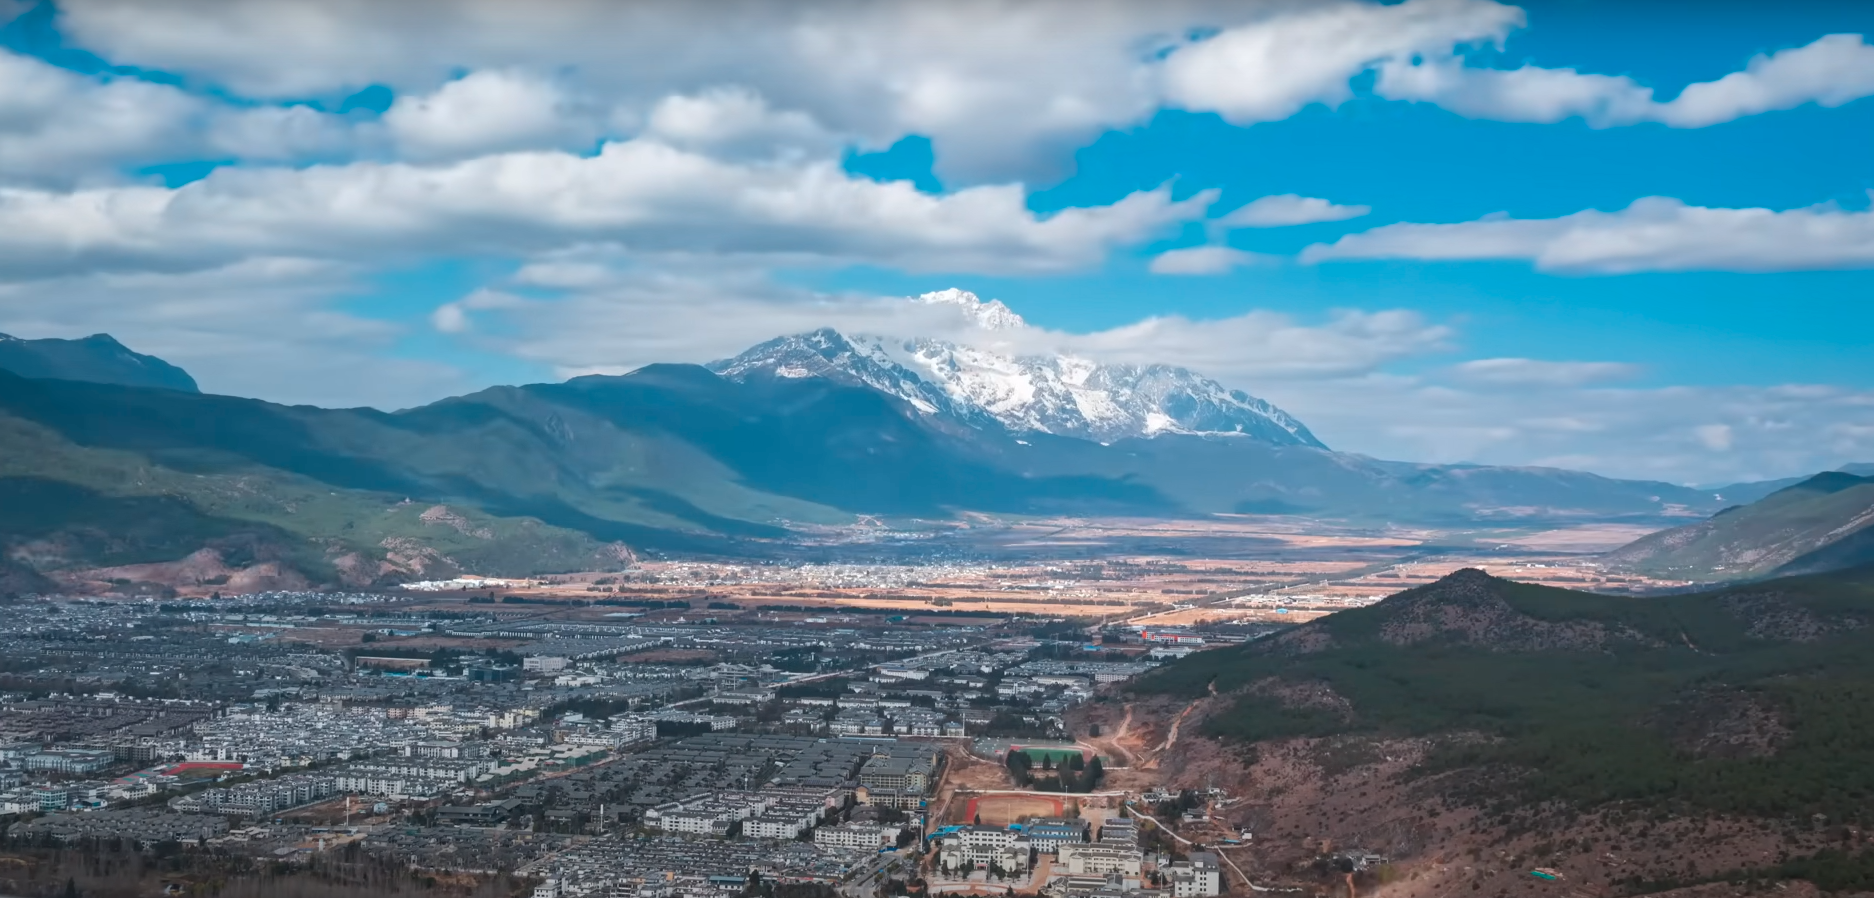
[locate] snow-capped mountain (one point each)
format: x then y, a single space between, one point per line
1057 394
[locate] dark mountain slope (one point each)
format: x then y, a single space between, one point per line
1823 523
98 358
67 509
1582 697
671 457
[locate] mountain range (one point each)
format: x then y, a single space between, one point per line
105 471
1057 394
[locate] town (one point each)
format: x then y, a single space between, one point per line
587 748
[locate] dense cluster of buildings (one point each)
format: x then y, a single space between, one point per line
541 749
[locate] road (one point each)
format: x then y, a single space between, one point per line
1218 850
865 884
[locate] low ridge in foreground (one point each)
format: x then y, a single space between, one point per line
1475 728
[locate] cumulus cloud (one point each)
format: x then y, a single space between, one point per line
641 194
483 112
58 128
1653 234
736 122
1003 89
1287 209
1197 260
1831 71
1527 94
1535 372
57 125
1269 70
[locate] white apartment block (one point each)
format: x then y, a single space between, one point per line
1198 877
1096 859
856 836
979 847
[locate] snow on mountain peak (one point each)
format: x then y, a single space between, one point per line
991 315
1051 393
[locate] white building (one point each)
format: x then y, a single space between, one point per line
1097 859
1198 877
981 847
856 836
633 730
774 826
707 815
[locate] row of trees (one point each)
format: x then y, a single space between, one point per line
1075 774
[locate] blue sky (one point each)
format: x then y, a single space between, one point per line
1542 247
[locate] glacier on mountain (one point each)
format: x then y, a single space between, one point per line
1058 394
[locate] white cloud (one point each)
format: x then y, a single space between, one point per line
1716 437
484 112
58 128
1003 88
1653 234
1535 372
1831 71
640 194
737 123
1287 209
1527 94
1270 70
1198 260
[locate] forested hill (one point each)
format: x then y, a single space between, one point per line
1754 700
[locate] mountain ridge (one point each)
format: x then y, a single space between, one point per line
98 358
1821 523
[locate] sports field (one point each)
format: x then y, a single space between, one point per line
1002 810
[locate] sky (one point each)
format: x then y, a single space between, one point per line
1632 238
